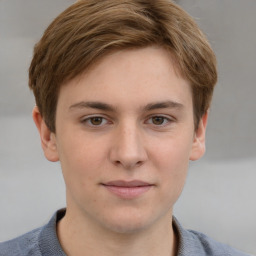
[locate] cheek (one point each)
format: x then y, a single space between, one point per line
174 167
172 153
81 160
171 160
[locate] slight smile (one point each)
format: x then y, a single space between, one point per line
127 189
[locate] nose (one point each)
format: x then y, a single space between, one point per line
128 149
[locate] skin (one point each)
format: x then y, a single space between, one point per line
128 118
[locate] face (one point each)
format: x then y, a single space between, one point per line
124 138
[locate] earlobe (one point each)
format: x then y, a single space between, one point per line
48 138
198 147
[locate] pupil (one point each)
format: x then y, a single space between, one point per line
158 120
96 120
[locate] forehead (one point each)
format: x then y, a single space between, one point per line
136 75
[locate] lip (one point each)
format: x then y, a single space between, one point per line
127 189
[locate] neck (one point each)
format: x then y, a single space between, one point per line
78 237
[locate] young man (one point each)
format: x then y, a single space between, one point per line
122 90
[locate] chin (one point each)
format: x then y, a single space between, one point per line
126 228
128 223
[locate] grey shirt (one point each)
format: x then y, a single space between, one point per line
44 242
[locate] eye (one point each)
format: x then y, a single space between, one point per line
95 121
159 120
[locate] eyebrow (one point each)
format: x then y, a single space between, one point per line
93 104
110 108
164 104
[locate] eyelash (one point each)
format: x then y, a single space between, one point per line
104 121
88 121
166 120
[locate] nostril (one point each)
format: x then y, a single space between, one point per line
139 163
128 165
128 154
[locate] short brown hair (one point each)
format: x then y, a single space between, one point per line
90 29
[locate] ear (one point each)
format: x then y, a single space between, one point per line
198 147
48 138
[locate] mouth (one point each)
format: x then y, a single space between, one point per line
127 189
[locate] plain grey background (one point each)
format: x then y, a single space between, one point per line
220 195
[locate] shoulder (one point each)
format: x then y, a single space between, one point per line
212 247
194 243
26 244
38 242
